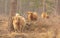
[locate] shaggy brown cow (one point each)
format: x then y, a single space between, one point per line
18 22
32 16
44 15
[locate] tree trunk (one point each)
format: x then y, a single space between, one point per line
13 8
44 6
58 8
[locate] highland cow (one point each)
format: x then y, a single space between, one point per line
32 16
44 15
18 22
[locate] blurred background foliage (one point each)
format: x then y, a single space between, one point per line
23 6
37 5
28 5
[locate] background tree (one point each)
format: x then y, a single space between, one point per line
13 8
50 6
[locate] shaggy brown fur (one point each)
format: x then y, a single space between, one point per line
32 16
44 15
18 23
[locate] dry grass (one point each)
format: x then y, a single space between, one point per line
39 29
